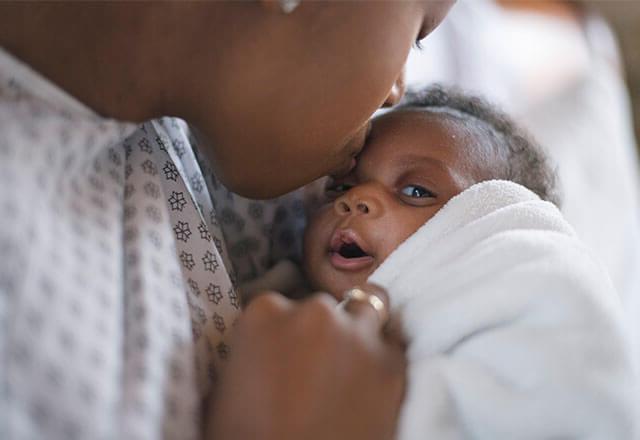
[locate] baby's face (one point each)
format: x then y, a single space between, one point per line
413 163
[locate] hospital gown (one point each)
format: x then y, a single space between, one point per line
117 244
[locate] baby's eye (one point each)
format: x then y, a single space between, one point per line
416 191
339 187
335 190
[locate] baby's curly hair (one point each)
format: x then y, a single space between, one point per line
517 157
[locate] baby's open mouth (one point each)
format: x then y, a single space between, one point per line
351 250
347 251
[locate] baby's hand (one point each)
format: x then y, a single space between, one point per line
284 277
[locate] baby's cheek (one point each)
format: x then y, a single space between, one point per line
314 244
312 235
396 233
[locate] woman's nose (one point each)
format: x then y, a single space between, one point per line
357 201
397 91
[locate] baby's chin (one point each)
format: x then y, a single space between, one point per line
337 287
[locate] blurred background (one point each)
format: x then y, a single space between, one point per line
569 72
624 18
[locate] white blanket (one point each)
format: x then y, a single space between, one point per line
514 329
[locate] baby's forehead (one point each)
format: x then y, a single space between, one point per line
450 117
432 125
441 128
444 113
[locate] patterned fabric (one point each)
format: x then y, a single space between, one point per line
116 249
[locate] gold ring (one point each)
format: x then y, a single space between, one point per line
357 294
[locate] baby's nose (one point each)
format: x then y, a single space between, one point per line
360 200
344 206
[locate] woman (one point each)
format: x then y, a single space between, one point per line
97 324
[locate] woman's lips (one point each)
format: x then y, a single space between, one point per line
346 168
352 165
354 147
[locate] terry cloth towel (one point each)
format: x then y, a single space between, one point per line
514 330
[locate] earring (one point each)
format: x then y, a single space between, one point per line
288 6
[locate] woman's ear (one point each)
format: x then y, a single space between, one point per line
285 6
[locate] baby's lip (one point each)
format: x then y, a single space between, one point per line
341 262
346 236
350 264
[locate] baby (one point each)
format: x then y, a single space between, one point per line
513 328
418 156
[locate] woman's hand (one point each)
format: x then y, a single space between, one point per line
307 370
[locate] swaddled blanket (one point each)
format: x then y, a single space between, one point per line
514 330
